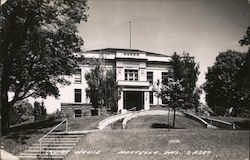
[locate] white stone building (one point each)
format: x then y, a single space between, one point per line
137 72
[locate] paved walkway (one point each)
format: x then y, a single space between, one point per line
138 119
4 155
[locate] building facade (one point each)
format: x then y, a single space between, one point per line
138 73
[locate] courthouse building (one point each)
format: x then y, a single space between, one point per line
137 73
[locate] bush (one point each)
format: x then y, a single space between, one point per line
57 115
21 112
39 112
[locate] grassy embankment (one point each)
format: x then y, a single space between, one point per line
24 135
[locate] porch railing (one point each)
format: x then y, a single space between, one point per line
66 130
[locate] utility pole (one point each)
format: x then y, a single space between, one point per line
130 35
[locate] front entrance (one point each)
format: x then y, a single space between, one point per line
133 99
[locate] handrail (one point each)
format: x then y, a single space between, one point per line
40 140
132 109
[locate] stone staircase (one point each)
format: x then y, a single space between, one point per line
56 145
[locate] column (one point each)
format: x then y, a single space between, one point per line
146 100
120 103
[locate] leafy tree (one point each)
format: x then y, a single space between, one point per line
111 90
95 80
102 86
39 111
246 38
173 92
37 39
179 88
243 77
221 90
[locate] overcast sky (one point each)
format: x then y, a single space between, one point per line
201 27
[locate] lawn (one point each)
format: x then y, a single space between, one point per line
153 122
85 123
157 144
23 136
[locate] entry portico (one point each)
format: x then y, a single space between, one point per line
132 79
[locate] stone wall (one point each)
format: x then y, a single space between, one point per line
86 109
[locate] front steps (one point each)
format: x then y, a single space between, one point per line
54 146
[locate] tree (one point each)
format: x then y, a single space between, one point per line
21 112
179 88
39 111
111 90
243 76
173 92
221 90
246 38
37 42
102 86
95 80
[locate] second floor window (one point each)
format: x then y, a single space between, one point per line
131 75
78 76
78 95
150 77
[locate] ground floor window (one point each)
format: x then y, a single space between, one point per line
78 113
94 112
151 97
78 95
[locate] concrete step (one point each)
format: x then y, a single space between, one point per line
50 148
54 144
28 157
66 135
41 157
52 152
76 133
48 141
47 151
61 138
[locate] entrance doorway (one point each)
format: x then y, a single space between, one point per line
133 99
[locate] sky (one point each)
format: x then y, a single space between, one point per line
201 27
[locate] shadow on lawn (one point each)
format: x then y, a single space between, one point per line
23 132
163 125
243 125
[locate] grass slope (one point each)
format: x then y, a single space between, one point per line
23 136
181 122
158 144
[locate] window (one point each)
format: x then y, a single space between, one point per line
151 97
164 75
131 75
150 77
78 95
78 113
78 76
